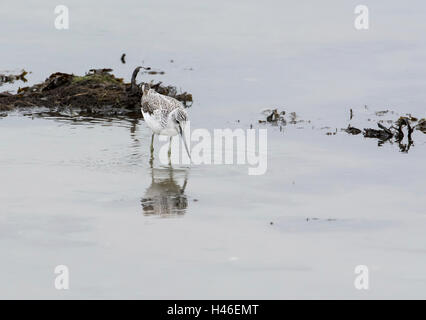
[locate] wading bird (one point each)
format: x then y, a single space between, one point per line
164 115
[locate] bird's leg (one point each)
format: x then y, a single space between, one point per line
151 160
170 147
182 190
170 151
152 144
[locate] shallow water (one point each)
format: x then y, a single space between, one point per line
83 194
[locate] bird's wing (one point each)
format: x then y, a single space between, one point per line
160 116
159 106
169 103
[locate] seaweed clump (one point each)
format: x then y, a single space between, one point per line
11 78
98 92
400 131
395 133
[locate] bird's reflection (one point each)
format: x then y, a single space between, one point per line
165 196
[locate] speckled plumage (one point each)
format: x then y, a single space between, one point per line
161 112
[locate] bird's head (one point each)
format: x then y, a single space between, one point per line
145 88
180 119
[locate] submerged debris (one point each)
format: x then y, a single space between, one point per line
383 134
395 132
401 122
331 133
148 70
272 116
11 78
318 219
421 125
381 113
392 132
352 130
275 116
293 117
97 93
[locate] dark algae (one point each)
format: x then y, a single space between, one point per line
98 92
398 131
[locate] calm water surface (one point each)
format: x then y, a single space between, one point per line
82 193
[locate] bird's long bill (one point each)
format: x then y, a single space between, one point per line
182 135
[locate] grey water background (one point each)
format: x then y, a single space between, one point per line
82 194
